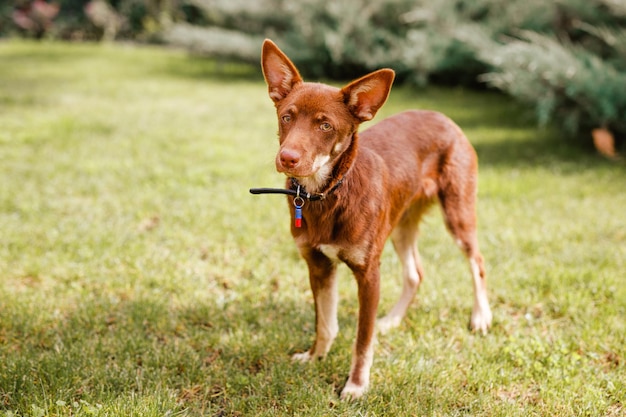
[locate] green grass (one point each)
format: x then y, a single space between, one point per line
139 278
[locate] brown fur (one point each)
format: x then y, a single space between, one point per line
389 175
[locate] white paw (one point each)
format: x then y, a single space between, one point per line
387 323
302 357
353 391
481 320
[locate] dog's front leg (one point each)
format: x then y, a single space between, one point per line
363 355
324 287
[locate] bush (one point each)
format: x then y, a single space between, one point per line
327 38
574 74
566 58
34 18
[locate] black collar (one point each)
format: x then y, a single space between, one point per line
301 191
297 190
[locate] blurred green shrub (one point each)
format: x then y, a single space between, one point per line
566 58
572 70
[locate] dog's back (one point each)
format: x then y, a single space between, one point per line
416 146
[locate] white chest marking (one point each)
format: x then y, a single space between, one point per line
331 251
320 161
322 170
355 255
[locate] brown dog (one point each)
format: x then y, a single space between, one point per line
352 191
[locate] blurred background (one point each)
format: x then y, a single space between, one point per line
565 58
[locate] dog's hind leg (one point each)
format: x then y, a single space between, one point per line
404 239
481 312
458 200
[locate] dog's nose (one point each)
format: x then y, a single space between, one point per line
289 158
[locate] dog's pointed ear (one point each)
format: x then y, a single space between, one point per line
279 72
368 94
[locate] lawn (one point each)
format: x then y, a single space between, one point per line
138 277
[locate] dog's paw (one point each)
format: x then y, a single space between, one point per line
481 320
352 391
302 357
387 323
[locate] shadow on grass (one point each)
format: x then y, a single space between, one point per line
504 132
101 351
541 150
545 149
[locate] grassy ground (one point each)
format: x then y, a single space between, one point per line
139 277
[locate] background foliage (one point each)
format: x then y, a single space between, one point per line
566 58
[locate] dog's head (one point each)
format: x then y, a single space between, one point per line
316 122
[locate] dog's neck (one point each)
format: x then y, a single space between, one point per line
340 170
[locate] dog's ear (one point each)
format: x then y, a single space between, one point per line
368 94
279 72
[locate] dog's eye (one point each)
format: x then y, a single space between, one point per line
326 126
286 118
